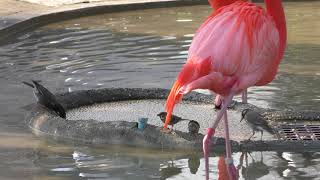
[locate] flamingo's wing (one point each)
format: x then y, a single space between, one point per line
232 50
242 41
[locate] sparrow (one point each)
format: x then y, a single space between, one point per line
174 119
193 126
46 98
256 122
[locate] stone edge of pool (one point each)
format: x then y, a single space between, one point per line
45 123
12 24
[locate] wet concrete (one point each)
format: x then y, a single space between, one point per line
108 116
133 110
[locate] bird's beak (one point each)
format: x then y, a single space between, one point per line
243 113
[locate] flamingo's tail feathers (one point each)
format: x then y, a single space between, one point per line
175 96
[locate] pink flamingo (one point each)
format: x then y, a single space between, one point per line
215 6
239 45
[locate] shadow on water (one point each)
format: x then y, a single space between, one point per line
81 54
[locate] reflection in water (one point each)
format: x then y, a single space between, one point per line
194 163
140 49
139 164
169 171
300 165
255 169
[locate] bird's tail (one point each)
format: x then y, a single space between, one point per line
46 98
28 84
269 129
175 96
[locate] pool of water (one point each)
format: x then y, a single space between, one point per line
146 49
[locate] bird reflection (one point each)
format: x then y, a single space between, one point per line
194 163
169 171
253 170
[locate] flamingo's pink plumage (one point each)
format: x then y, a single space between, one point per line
239 45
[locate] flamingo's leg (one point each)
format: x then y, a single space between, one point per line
206 143
211 131
244 96
231 170
227 137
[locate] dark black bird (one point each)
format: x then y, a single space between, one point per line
174 119
193 127
46 98
255 121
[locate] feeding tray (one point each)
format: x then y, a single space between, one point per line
109 116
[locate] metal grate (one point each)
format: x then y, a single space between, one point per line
296 132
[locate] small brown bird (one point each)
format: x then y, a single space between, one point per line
193 127
174 119
256 122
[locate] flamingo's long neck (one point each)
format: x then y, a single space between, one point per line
275 9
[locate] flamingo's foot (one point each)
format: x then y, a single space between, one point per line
166 130
232 171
